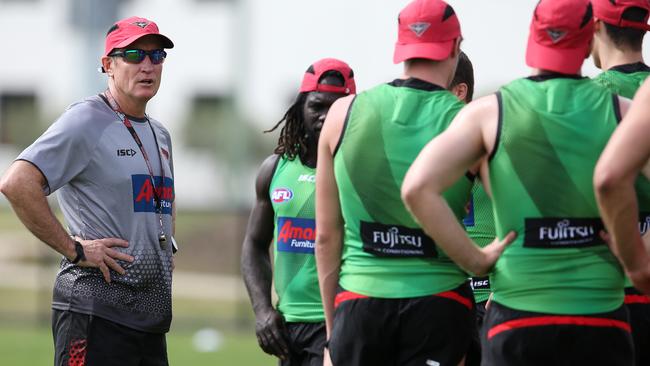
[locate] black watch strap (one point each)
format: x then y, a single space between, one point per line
79 249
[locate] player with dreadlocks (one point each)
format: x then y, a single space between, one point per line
284 213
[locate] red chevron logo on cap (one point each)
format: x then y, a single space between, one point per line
419 28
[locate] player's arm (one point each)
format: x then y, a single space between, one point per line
625 155
23 184
256 265
440 164
329 222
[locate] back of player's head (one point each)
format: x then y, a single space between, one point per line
626 21
560 36
464 75
427 29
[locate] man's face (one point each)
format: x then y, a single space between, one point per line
137 81
315 109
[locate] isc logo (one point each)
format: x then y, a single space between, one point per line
281 195
126 152
307 178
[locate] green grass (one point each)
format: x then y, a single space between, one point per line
25 333
26 339
29 345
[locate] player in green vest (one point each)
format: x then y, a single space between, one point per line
619 29
479 221
617 49
391 296
558 290
284 214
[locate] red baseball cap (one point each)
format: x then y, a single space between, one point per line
560 35
611 12
310 82
426 29
129 30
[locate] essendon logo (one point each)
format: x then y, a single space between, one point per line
396 241
468 221
281 195
296 235
144 197
562 232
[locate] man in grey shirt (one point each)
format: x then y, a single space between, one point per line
111 166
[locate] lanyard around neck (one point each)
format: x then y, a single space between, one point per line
116 108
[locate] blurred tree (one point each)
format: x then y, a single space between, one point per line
20 119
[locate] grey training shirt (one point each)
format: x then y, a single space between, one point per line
102 182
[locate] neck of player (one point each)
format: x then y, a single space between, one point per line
128 105
615 57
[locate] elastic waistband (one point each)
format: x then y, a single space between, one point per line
557 320
344 295
634 296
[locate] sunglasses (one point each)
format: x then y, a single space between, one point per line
135 56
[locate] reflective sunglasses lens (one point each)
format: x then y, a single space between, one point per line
157 56
134 56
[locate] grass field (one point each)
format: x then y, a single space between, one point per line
26 339
208 248
29 346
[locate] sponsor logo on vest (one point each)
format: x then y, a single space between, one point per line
311 178
281 195
296 235
644 222
480 283
396 241
469 221
562 232
126 152
143 193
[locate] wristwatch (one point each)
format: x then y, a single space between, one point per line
79 249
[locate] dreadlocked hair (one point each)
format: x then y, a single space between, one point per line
293 140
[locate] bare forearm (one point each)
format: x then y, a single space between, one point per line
258 276
33 210
619 211
328 260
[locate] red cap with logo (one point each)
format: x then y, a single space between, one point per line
312 78
611 12
426 29
560 35
129 30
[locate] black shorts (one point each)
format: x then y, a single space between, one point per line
81 339
474 352
427 330
514 337
306 344
638 305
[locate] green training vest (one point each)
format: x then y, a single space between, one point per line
479 224
621 83
386 254
551 135
293 198
625 80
